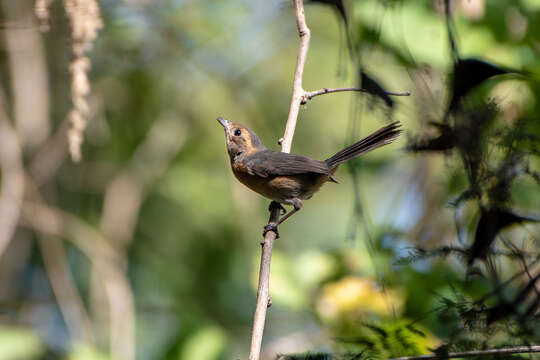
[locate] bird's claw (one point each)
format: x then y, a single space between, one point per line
271 227
275 204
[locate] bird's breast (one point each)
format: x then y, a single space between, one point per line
280 188
268 187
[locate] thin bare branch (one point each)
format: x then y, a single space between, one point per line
298 92
263 290
453 355
11 166
263 298
69 300
50 156
62 283
28 74
55 222
308 95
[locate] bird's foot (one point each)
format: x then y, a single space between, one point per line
271 227
275 204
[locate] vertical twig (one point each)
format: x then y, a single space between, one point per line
65 291
27 61
11 167
298 91
263 299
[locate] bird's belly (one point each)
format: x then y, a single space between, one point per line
282 188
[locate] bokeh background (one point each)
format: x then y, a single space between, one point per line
148 248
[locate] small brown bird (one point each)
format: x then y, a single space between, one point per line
287 178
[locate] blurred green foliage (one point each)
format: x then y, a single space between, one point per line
19 344
347 276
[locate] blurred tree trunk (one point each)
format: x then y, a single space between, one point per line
28 71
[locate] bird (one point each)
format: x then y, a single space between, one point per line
288 178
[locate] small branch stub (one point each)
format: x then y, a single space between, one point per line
308 95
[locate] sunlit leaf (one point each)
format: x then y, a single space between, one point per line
83 352
19 344
206 343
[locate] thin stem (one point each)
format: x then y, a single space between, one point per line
263 298
11 167
63 286
263 289
298 92
452 355
311 94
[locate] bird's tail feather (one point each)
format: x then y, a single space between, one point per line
379 138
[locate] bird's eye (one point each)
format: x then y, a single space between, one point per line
237 132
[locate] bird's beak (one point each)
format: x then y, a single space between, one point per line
224 122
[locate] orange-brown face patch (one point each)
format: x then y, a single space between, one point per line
249 142
246 142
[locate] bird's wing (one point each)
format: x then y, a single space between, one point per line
272 163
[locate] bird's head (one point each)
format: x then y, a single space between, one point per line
240 139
